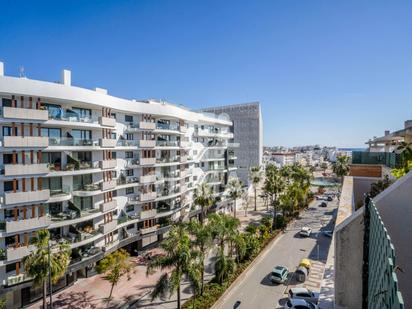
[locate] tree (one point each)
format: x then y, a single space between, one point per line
203 198
114 266
341 166
255 176
36 264
202 241
180 258
324 166
224 228
405 152
224 266
274 185
235 191
379 186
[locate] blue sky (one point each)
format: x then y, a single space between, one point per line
327 72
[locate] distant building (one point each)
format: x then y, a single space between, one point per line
284 158
248 132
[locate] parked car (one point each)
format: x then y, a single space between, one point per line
305 231
299 304
323 204
279 274
303 293
329 198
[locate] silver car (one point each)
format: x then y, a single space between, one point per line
279 274
303 293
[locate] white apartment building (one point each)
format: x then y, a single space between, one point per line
284 158
97 171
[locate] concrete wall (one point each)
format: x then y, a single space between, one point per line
361 186
395 208
348 250
248 132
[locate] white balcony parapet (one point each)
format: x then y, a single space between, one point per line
184 144
147 179
147 125
183 173
106 164
108 185
15 279
19 252
26 197
183 129
108 227
26 141
147 143
146 214
143 197
148 230
25 169
183 159
105 207
108 142
108 122
25 113
27 224
147 161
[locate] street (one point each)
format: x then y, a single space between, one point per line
256 290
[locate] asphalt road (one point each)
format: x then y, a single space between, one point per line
255 289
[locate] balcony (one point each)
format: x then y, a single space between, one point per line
26 197
108 164
68 141
107 122
389 159
144 125
131 163
109 185
17 253
107 142
147 143
26 141
184 144
183 173
147 161
183 159
162 143
127 143
168 127
146 214
27 224
143 197
108 227
183 129
25 113
148 230
108 206
16 279
25 169
167 160
147 179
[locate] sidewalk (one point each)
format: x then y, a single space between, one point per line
91 293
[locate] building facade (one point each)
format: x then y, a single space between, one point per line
248 132
98 172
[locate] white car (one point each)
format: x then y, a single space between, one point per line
299 304
303 293
305 231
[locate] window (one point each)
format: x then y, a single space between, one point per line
54 184
8 186
129 208
113 115
55 208
114 154
128 136
129 154
129 173
6 102
83 203
82 134
51 132
194 152
80 180
8 130
128 118
54 111
130 191
82 113
113 135
7 158
83 156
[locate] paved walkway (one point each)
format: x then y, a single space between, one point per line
92 293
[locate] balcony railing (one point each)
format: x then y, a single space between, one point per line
72 117
167 143
164 126
127 143
390 159
67 141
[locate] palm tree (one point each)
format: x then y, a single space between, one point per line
114 266
235 191
203 242
224 266
37 263
224 228
274 185
203 198
179 257
341 166
324 166
255 177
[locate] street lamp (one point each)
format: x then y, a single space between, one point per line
50 282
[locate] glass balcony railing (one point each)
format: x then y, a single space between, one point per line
124 142
66 141
389 159
167 160
167 143
165 126
71 116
